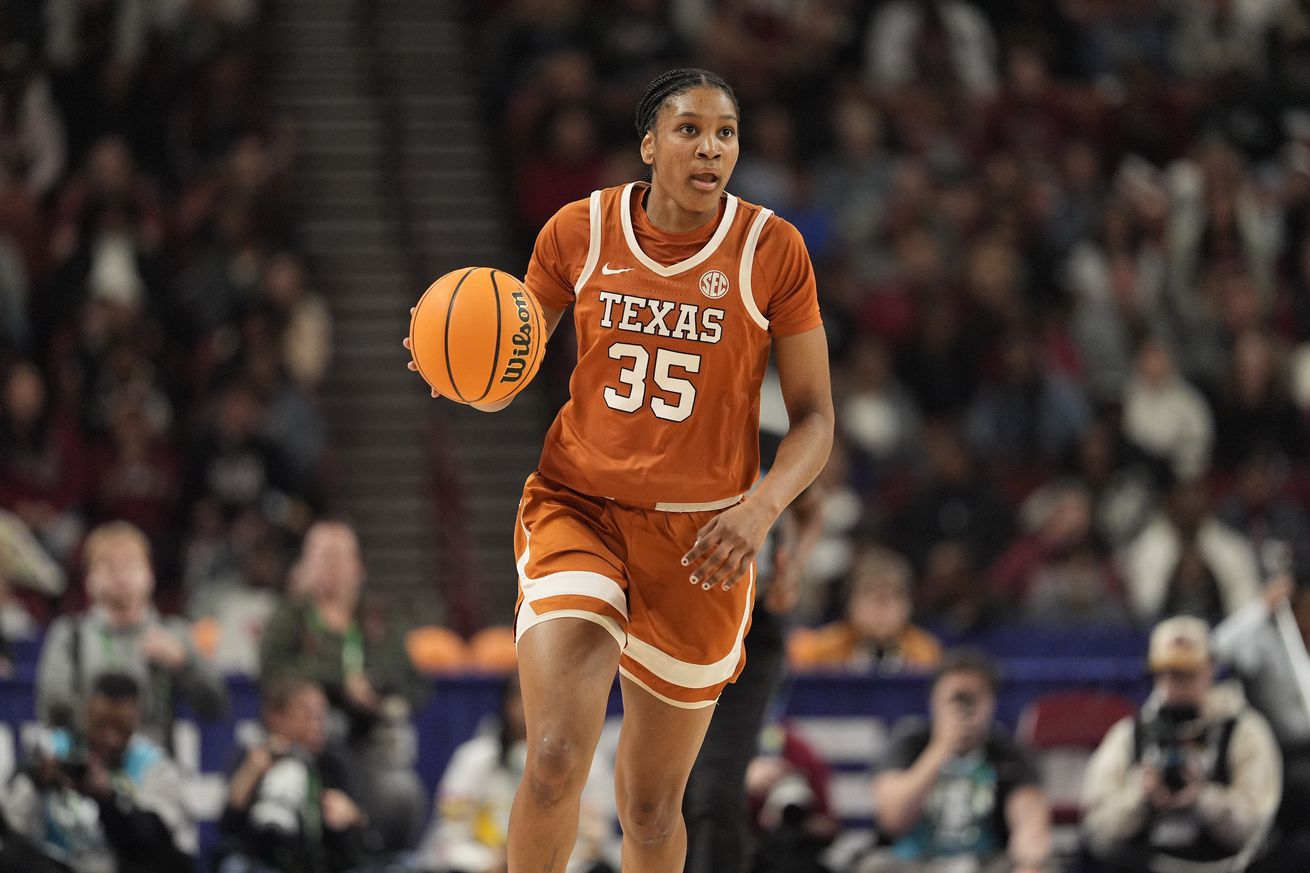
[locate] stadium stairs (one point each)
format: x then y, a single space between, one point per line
396 187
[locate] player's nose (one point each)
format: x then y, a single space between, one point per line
708 148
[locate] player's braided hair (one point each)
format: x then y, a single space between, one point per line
672 83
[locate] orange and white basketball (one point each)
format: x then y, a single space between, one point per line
477 335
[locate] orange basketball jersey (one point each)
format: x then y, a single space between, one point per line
664 400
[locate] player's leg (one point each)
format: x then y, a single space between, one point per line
566 669
657 747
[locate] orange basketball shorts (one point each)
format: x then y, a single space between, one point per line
621 567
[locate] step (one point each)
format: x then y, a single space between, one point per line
369 148
381 260
322 235
442 126
326 107
339 162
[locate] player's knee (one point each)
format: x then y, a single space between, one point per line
556 769
649 818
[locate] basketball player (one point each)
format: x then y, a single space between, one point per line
636 535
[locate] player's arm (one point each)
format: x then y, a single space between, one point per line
725 547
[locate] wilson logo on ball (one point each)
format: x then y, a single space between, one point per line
714 284
521 339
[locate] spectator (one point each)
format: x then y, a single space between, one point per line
1188 562
472 807
876 634
42 475
855 180
1221 227
1191 782
1260 507
136 477
958 786
1253 644
358 657
1117 280
878 416
942 43
1030 116
1032 414
788 788
1254 409
109 185
950 592
233 465
1122 491
955 502
764 174
109 800
1055 573
1164 417
292 806
31 131
1219 36
568 170
304 320
122 632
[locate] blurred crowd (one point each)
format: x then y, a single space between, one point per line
161 349
1063 252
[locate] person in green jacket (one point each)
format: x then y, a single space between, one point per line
323 632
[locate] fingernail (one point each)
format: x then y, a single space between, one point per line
684 562
694 580
725 586
705 587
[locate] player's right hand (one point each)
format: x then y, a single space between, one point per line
413 367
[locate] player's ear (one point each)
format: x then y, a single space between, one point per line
648 149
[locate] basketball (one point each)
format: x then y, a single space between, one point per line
477 335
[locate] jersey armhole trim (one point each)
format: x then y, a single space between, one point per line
748 266
593 249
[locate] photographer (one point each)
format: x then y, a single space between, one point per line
959 791
111 803
1192 781
290 805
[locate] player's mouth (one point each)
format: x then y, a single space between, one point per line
705 181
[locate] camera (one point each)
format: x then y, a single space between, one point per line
1171 733
74 767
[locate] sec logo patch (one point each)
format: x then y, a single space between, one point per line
714 284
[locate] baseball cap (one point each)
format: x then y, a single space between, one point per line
1180 643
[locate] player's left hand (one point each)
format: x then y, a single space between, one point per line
726 546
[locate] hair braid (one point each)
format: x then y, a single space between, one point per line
672 83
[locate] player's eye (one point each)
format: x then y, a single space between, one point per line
688 129
727 133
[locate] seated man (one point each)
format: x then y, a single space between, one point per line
290 807
876 633
959 788
123 632
111 803
1192 781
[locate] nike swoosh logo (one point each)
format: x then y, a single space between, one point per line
606 271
